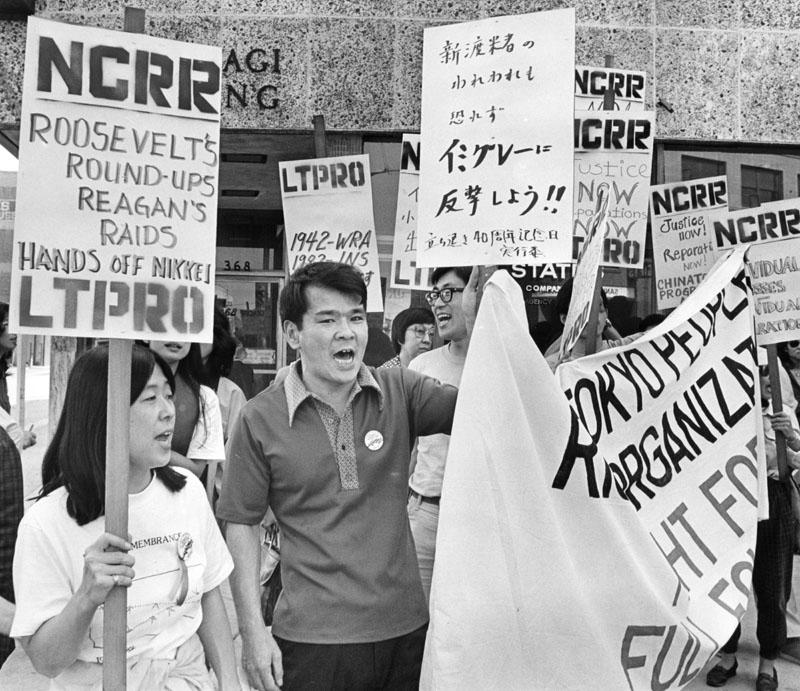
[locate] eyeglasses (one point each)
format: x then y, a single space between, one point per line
446 294
421 331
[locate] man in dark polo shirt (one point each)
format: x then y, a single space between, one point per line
328 451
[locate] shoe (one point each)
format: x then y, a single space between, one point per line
765 682
718 675
791 650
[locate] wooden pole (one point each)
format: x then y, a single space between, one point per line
591 327
320 144
23 346
115 637
777 405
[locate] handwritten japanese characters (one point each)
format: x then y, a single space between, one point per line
614 151
405 273
682 248
116 226
774 269
496 165
591 84
327 209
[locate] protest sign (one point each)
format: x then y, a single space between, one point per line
775 276
396 301
540 283
584 284
772 221
119 146
614 150
618 521
327 209
682 249
496 165
592 83
405 274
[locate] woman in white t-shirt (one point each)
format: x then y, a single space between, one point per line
65 565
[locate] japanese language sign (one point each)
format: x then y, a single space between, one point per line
405 273
496 169
327 209
591 84
682 249
775 277
614 151
119 146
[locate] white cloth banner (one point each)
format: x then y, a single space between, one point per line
560 568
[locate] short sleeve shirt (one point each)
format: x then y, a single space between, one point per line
348 563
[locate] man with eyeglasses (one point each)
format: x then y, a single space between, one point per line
445 364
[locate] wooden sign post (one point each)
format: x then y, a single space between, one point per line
115 637
591 327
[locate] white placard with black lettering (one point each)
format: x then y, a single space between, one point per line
405 273
497 153
683 251
116 225
775 276
615 151
768 222
591 83
327 209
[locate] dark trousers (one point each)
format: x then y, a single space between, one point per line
391 664
772 574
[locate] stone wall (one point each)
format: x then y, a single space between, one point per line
729 69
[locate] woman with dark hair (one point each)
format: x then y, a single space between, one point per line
65 564
216 360
198 438
8 342
412 334
789 355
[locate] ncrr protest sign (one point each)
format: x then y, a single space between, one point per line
618 521
772 221
496 165
327 209
775 277
405 274
683 251
116 207
592 83
614 151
